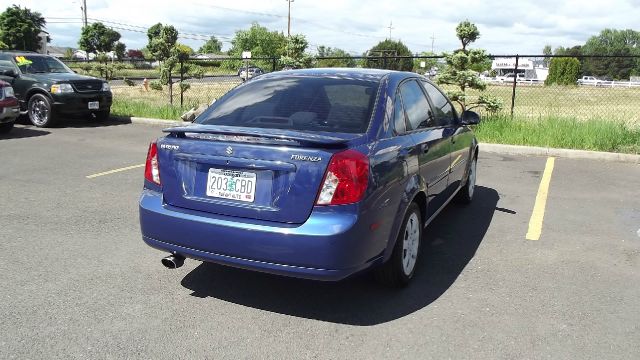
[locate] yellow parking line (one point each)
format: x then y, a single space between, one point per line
115 171
535 223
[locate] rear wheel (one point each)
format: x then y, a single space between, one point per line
40 112
399 269
6 127
465 195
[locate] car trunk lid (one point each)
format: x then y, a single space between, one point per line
275 173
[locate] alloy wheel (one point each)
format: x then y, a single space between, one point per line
39 112
410 243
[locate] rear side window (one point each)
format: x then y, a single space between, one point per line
399 119
444 113
416 106
297 103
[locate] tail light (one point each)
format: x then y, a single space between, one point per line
345 181
151 171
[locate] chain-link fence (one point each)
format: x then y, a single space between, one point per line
601 87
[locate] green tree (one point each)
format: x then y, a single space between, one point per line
68 53
162 45
613 42
563 71
119 49
3 46
162 40
20 28
460 71
296 56
385 56
428 63
182 53
212 46
260 41
97 38
547 51
323 51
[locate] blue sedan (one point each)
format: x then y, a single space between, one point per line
317 174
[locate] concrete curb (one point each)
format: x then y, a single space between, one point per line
147 121
563 153
485 147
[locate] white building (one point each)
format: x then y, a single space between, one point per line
531 68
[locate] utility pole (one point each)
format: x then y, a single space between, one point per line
84 13
289 19
433 39
390 27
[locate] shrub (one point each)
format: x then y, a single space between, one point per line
563 71
155 85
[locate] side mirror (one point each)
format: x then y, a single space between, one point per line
470 118
10 72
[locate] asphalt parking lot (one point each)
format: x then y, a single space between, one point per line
78 282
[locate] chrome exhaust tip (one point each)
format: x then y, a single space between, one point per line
173 261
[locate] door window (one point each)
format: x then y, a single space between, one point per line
444 113
416 106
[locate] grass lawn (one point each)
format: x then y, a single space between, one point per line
588 118
199 93
565 133
581 103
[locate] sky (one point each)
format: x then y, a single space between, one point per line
506 27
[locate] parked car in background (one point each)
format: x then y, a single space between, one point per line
47 89
318 174
589 80
508 78
9 109
252 72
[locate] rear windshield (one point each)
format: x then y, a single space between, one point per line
297 103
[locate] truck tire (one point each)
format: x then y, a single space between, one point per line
40 110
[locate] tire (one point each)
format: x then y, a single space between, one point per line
465 195
6 127
40 111
399 269
102 115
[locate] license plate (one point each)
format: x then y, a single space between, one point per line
232 185
94 105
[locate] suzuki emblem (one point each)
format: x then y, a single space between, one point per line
229 150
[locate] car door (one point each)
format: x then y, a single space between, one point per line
460 136
394 161
433 144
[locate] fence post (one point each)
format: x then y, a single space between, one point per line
181 80
273 64
515 81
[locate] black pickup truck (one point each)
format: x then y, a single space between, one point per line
48 90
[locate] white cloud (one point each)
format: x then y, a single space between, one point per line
506 26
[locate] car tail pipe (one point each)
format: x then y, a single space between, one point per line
173 261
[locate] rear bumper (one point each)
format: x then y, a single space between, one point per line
331 245
78 103
9 114
9 110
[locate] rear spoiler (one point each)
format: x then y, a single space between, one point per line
259 135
